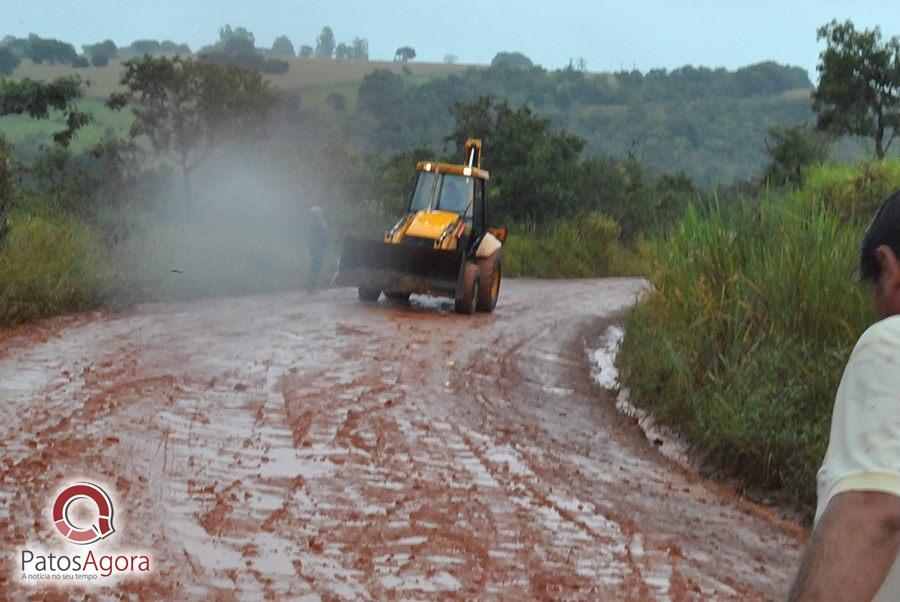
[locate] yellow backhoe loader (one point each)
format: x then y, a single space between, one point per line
441 246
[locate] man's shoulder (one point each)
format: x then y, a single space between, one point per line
877 354
884 333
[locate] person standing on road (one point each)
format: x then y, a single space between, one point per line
852 554
317 241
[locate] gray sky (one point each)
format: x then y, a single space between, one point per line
609 35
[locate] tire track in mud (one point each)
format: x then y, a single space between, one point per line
345 451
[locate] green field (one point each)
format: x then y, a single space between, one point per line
311 80
305 75
28 134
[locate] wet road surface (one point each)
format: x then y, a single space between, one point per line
308 446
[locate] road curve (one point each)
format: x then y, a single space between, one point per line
295 445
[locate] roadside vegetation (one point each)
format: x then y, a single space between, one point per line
754 306
191 177
753 312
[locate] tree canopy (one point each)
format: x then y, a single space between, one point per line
405 53
188 108
9 60
101 53
282 46
793 149
710 123
37 100
325 44
41 50
512 59
237 47
534 167
859 84
139 48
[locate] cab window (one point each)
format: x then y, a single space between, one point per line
422 192
456 194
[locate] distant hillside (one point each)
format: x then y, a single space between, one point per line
708 123
304 74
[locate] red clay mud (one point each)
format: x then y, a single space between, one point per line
295 445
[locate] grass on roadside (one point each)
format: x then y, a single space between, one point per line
579 247
51 265
754 311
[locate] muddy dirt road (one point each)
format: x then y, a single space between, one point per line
292 446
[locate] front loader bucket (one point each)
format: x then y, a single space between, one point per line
399 268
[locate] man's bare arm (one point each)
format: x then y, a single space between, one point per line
852 548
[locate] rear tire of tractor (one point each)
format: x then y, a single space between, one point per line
397 297
369 295
489 286
467 298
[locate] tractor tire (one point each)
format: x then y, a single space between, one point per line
467 298
489 286
369 295
398 297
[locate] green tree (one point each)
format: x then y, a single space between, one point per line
170 47
535 169
343 52
306 51
49 50
142 47
187 108
859 84
405 53
325 44
9 60
233 42
511 59
101 53
791 150
37 99
282 46
360 50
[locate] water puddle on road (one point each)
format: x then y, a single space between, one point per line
606 374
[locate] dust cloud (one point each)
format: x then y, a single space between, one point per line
242 229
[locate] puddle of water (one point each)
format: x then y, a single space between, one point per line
606 375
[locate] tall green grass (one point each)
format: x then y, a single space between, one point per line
51 265
579 247
753 312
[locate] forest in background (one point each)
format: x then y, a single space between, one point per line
709 123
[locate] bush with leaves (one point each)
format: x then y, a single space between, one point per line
793 150
37 99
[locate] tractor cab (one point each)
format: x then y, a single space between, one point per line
445 197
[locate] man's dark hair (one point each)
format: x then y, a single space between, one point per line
884 230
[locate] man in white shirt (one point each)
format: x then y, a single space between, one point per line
852 554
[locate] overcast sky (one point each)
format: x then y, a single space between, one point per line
608 35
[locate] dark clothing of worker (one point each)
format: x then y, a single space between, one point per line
317 239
